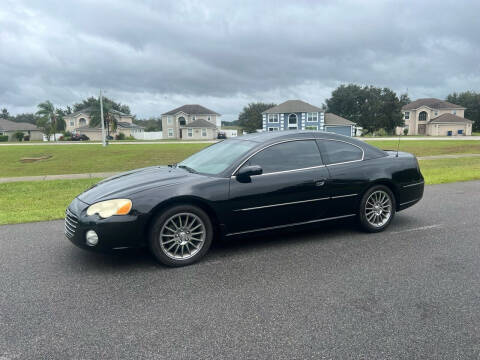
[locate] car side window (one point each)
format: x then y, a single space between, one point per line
338 151
287 156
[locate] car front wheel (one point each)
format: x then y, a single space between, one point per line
181 235
377 209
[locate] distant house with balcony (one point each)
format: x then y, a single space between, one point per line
300 115
191 122
79 122
436 117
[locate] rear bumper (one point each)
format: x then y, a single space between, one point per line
410 194
116 232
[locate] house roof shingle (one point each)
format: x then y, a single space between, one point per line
431 103
7 125
292 106
449 118
200 123
193 109
332 119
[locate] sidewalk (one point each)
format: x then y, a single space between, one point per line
108 174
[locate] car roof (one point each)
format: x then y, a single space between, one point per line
267 136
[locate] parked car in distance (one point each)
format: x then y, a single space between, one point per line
221 135
79 137
257 182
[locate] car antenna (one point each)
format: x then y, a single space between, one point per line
398 144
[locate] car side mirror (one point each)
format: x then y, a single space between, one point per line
244 174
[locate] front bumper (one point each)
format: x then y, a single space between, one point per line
116 232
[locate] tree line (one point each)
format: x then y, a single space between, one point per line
374 109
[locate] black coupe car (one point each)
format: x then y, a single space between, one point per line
252 183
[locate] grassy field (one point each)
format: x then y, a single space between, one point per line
46 200
431 147
74 159
71 159
441 171
40 200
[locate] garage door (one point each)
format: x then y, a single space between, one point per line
342 130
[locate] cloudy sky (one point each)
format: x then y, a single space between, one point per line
157 55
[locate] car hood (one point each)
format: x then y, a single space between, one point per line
125 184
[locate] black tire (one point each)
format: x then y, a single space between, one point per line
161 253
367 225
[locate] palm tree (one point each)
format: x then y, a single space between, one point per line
51 116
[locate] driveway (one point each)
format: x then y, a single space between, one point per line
330 292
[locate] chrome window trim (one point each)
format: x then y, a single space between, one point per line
292 224
345 162
282 204
414 184
279 142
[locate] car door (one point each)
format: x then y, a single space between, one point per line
348 175
290 190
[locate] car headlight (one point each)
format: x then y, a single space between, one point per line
109 208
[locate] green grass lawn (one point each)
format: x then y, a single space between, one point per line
430 147
71 159
74 159
441 171
46 200
38 200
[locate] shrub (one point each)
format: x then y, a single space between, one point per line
120 136
67 134
3 138
19 135
130 138
381 132
405 131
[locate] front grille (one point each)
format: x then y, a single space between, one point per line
71 222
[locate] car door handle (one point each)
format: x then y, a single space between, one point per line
320 182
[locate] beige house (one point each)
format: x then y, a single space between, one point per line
191 122
79 122
434 117
9 128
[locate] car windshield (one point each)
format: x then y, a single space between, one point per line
218 157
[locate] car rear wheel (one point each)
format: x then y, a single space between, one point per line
377 209
181 235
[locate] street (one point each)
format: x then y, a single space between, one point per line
329 292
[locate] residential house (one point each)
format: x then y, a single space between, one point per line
299 115
9 128
191 122
436 117
79 122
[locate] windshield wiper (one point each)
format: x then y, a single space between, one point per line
188 168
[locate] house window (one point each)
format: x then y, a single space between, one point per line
182 121
422 116
189 132
460 132
273 118
313 116
454 112
209 118
194 118
169 120
72 123
204 132
406 115
170 132
82 122
273 129
436 113
311 127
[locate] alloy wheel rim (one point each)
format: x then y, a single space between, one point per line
378 208
182 236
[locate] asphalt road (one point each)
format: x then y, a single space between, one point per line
411 292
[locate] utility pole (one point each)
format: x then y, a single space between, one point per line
104 143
